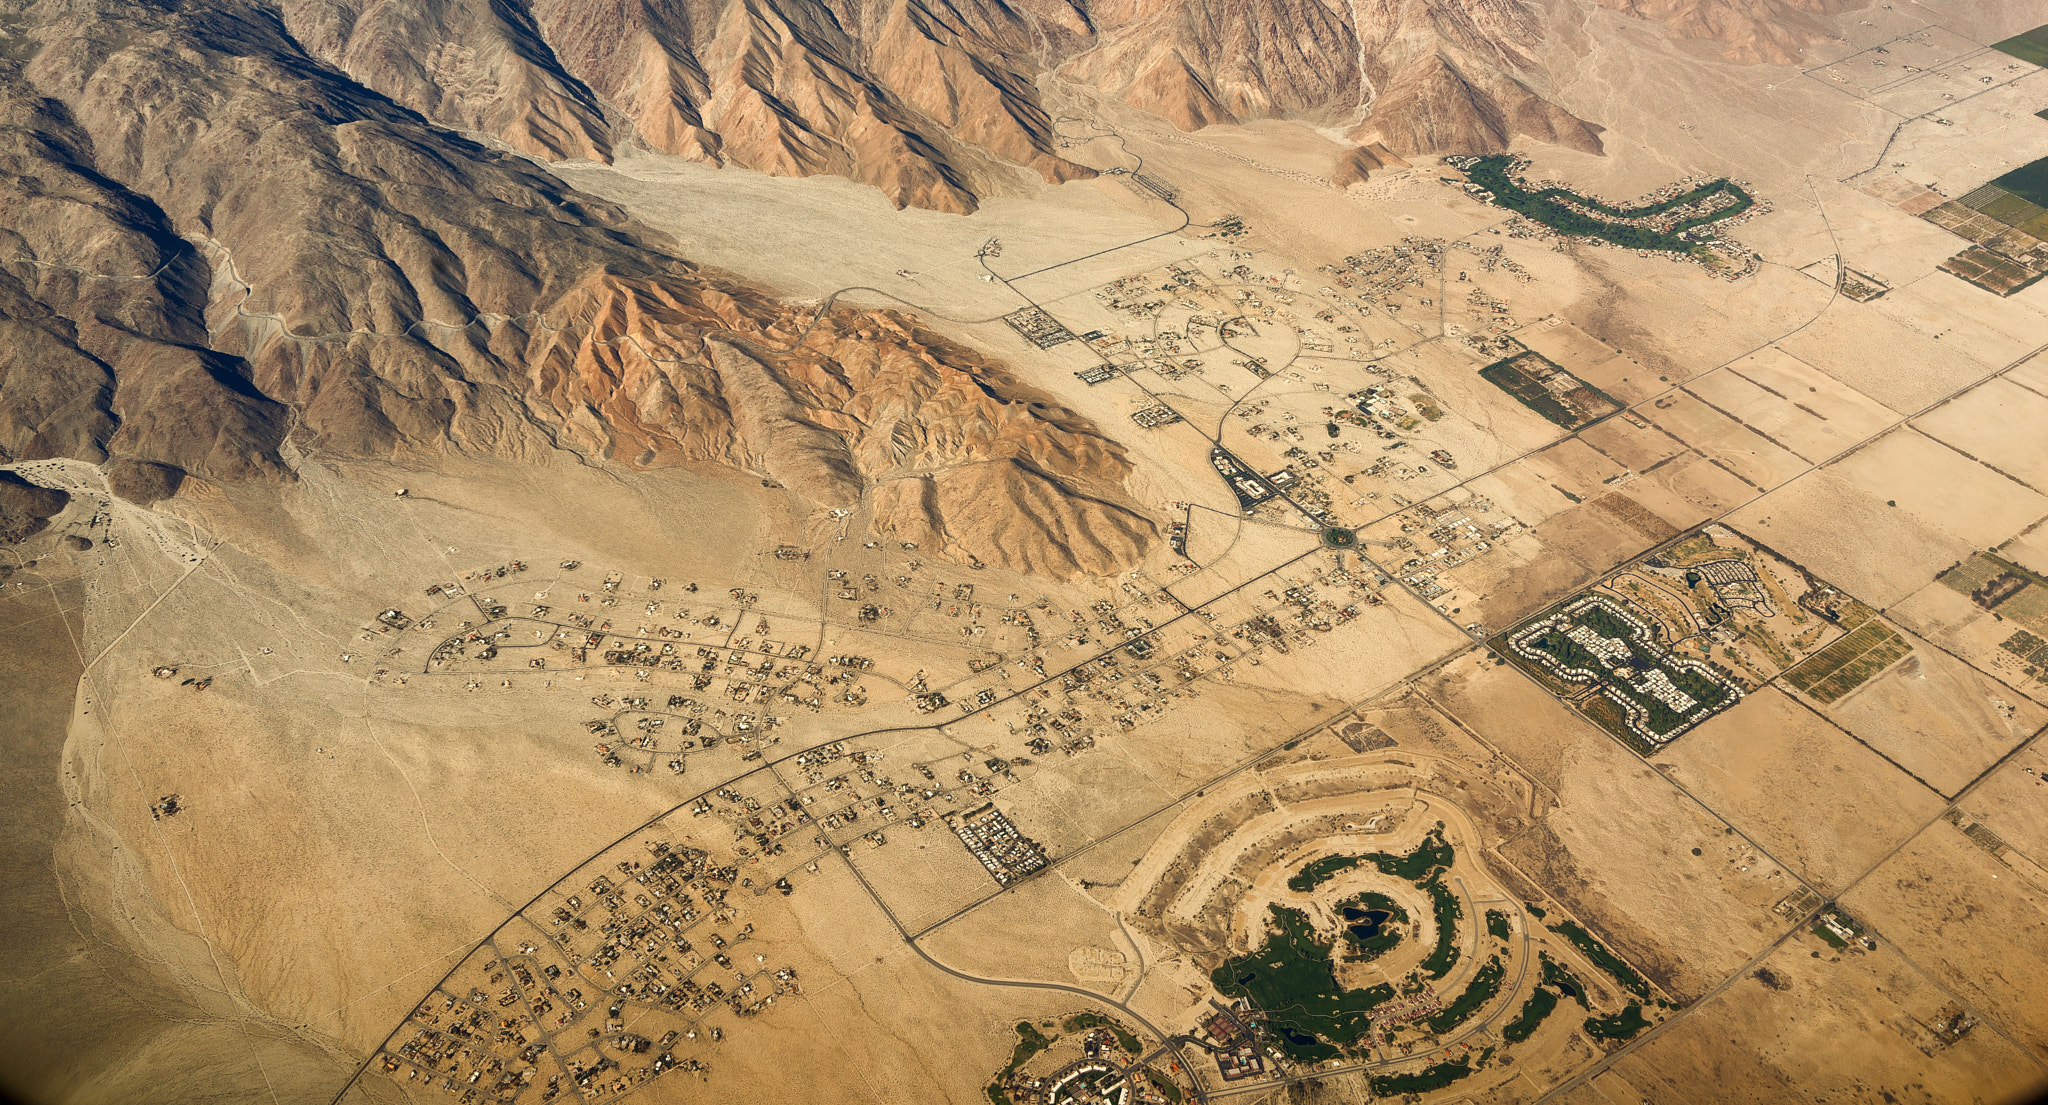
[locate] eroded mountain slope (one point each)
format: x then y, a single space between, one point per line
217 240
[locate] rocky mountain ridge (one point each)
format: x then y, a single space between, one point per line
213 241
935 102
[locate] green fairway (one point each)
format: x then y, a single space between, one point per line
1292 980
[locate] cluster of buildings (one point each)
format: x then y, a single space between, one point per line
635 964
1250 487
1233 1043
1717 204
1597 640
993 839
1038 328
1158 414
1379 274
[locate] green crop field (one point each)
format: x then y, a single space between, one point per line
2029 46
1505 376
1848 663
2029 181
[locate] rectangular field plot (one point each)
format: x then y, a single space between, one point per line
1849 663
1937 717
1539 384
1944 488
1800 407
1937 88
1966 222
1994 272
1741 449
1674 638
2028 46
1997 584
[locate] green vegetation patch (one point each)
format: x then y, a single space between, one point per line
1448 910
2011 210
1292 980
1609 715
2029 46
1030 1041
1549 207
1540 1004
2029 181
1422 1081
1621 1026
1505 376
1082 1022
1560 977
1523 375
2030 648
1997 584
1497 924
1481 990
1602 958
1317 872
1431 855
1849 662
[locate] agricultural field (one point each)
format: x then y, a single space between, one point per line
1849 662
2028 46
1538 383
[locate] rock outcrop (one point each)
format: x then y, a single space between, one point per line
1357 164
26 509
1434 106
1426 76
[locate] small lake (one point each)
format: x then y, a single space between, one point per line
1365 923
